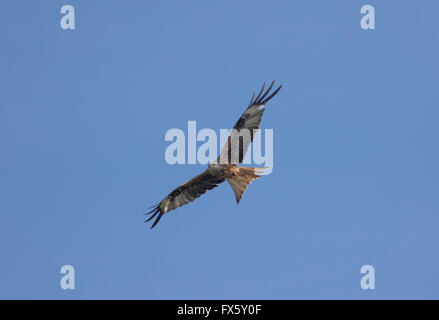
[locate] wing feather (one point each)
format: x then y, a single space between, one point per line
244 129
184 194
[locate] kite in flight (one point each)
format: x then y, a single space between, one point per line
224 168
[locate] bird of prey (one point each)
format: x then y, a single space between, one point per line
225 167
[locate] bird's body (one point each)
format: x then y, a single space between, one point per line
218 170
225 167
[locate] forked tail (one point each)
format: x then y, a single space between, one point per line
242 179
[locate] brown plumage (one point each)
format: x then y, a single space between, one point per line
240 179
245 128
225 167
184 194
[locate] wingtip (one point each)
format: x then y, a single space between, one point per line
154 207
272 95
154 211
157 220
261 97
260 93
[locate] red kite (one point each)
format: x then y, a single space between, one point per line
224 168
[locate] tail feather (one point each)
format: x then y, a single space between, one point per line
241 181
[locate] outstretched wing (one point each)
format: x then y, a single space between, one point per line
243 132
184 194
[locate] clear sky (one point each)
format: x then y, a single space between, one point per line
83 116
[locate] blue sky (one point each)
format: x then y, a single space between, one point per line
84 112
